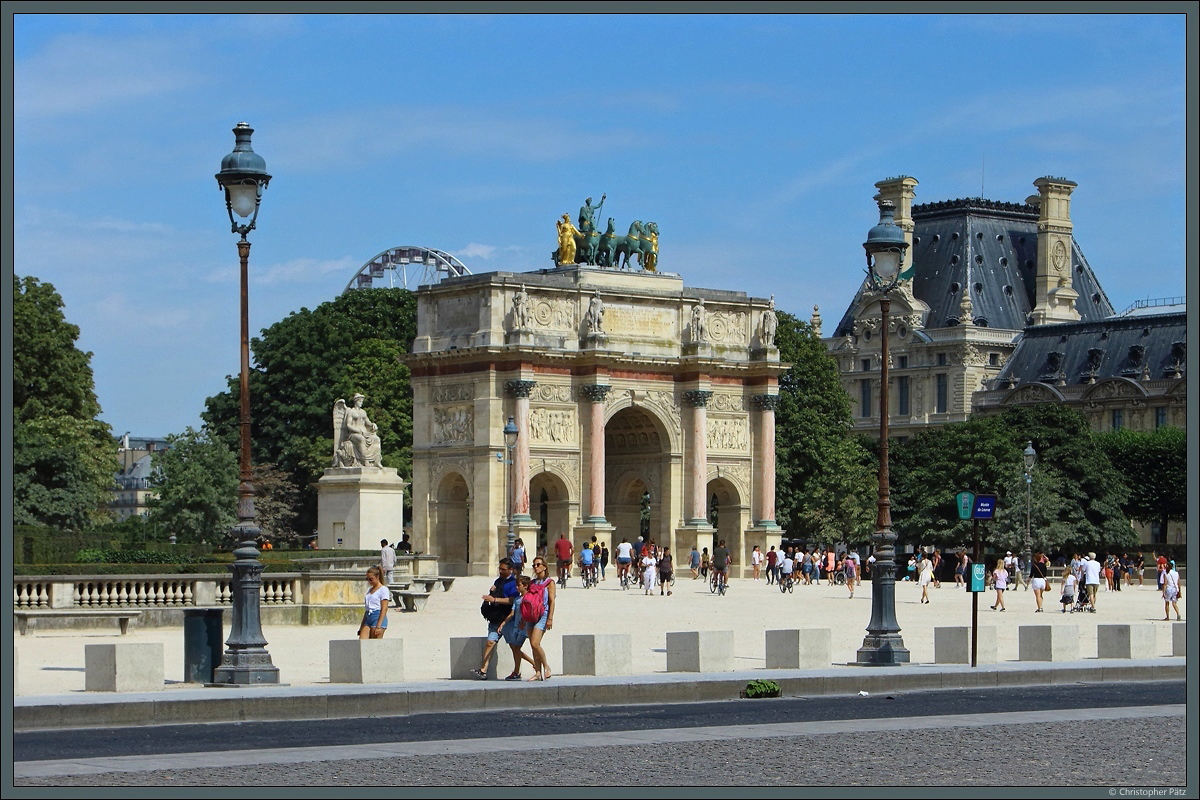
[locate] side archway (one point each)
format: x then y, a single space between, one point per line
451 526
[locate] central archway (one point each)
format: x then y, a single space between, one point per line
637 460
451 524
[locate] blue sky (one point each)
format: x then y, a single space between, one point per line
753 141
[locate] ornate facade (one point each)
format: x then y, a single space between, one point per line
628 391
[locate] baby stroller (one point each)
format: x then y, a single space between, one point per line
1082 601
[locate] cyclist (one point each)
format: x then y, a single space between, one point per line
587 564
785 569
721 561
624 559
563 550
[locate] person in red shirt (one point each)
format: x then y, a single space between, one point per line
563 552
1161 561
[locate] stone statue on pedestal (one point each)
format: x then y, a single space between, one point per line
355 437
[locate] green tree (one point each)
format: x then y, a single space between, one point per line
305 362
825 487
275 501
1153 465
195 479
64 458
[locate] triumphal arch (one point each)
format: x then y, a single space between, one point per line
633 397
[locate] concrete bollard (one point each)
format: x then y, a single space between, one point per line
366 660
134 667
597 654
1179 639
700 651
1048 643
809 648
952 645
1139 640
465 654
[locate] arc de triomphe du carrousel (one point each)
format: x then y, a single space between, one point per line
632 395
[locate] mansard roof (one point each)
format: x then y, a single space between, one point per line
988 248
1132 347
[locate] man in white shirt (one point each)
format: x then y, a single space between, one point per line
785 568
1091 578
387 560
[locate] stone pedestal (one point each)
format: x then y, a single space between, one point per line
359 506
700 651
953 645
597 654
466 653
700 536
366 660
1048 643
1179 639
134 667
811 648
1139 640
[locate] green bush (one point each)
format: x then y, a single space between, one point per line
762 689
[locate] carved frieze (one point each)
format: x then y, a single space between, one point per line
453 424
444 466
665 402
737 474
552 393
554 426
565 468
728 402
726 433
727 327
453 392
557 313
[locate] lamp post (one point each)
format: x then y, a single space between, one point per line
510 441
1030 459
243 176
883 644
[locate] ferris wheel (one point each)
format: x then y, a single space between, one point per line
410 262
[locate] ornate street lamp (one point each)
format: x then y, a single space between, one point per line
1030 459
510 441
243 176
883 644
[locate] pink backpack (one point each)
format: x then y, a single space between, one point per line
533 604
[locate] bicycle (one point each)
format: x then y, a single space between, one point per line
785 583
717 584
625 579
839 579
588 574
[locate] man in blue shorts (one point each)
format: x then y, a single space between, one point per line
587 561
505 595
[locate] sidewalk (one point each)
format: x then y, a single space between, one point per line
51 664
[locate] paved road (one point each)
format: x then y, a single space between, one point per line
1052 736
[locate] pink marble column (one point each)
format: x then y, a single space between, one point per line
766 404
698 399
520 391
595 394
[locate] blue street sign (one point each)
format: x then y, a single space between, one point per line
985 506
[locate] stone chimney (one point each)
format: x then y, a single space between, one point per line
900 190
1054 298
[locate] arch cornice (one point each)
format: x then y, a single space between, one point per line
667 423
1115 388
1033 393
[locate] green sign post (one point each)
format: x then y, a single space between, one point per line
978 578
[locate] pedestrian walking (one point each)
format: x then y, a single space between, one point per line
518 556
704 563
374 621
536 630
649 570
1172 593
387 561
603 559
925 577
756 559
498 607
665 569
1038 571
694 562
1000 582
850 568
772 565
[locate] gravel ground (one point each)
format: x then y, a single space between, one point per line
1062 754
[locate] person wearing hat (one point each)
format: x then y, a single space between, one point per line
1091 578
1171 592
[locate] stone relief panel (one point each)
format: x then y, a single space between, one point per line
728 327
565 468
453 392
639 320
665 402
457 314
557 426
737 474
443 467
557 313
728 434
551 393
453 425
727 402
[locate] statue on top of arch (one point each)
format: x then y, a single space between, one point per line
587 245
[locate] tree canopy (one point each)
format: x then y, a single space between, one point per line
64 458
305 362
825 489
195 479
1153 466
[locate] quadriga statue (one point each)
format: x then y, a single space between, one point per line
355 437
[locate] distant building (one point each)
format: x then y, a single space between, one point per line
131 488
1004 309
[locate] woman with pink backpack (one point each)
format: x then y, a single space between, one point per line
538 604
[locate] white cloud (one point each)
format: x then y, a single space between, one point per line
474 250
300 270
79 73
